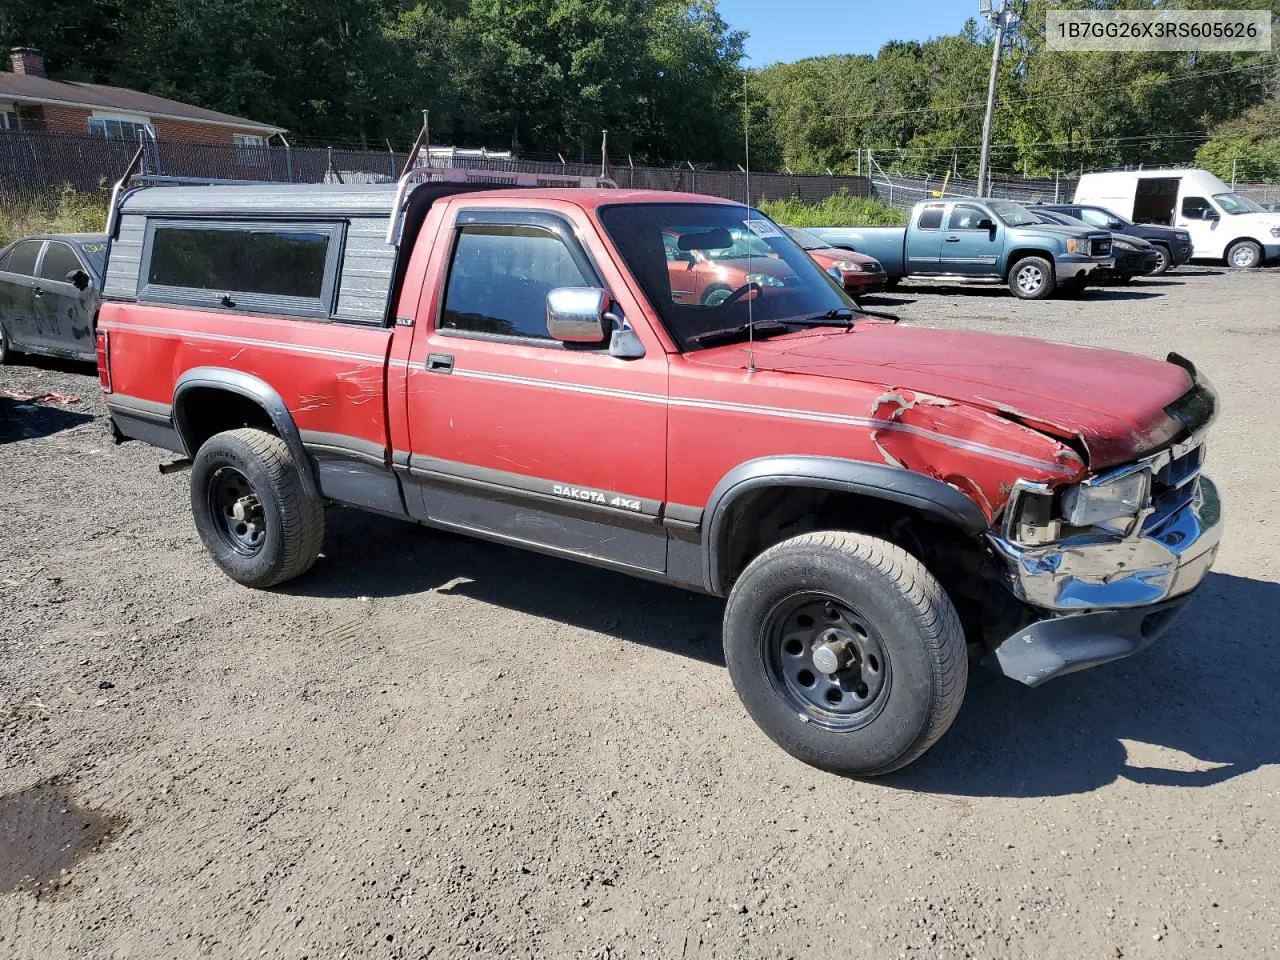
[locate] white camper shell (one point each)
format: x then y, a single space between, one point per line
1223 225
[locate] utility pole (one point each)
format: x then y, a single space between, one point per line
1000 18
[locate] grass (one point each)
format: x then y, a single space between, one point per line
52 210
838 210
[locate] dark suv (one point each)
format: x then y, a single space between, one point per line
1173 245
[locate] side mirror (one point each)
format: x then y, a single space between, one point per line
1208 213
986 223
1114 225
578 315
79 279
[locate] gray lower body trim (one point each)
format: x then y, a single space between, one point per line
357 483
343 445
145 420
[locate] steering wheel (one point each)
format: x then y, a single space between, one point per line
741 292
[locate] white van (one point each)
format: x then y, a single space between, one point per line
1223 225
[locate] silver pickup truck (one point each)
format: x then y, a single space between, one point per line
984 240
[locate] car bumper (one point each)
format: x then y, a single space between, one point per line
1105 599
1179 254
1070 268
1270 251
863 282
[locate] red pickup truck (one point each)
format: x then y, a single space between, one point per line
878 503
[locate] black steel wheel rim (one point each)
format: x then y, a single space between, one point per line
826 661
236 511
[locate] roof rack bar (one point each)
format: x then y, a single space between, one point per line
467 175
113 214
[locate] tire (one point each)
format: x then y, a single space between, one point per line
1038 275
716 294
1244 254
278 537
6 351
904 660
892 283
1165 262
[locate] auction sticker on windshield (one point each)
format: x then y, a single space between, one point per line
1133 31
763 229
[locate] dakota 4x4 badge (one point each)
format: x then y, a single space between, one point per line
601 497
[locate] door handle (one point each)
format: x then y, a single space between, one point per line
439 363
953 239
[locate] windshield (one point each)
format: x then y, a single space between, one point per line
1233 203
1012 214
96 254
1061 219
705 271
807 240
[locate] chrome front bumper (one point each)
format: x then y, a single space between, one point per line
1065 268
1088 572
1106 597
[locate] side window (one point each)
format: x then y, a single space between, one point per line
965 217
22 258
930 218
286 268
500 277
59 260
1193 208
1094 218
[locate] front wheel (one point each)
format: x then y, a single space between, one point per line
1032 278
1244 254
256 520
6 351
1164 260
846 651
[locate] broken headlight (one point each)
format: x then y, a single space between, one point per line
1095 501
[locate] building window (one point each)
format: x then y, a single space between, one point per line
115 129
251 150
8 119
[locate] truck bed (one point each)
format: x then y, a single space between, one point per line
886 244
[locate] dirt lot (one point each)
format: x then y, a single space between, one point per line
433 746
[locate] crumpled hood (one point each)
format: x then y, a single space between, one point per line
1111 402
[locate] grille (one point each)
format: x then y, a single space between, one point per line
1173 486
1100 247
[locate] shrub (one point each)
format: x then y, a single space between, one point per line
838 210
51 210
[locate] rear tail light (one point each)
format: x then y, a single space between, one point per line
104 360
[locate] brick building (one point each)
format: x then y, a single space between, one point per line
33 102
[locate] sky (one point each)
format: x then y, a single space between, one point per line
791 29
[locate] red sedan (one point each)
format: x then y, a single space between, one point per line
856 272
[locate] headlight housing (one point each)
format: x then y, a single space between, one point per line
765 280
1098 500
844 266
1074 245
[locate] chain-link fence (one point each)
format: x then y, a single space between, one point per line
34 163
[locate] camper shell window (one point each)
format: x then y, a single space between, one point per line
285 268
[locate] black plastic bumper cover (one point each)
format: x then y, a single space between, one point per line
1060 645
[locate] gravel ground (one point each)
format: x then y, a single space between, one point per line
437 747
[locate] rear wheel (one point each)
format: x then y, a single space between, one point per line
846 651
256 520
6 351
1244 254
1164 260
1032 278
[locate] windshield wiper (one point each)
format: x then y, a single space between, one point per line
838 317
755 328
